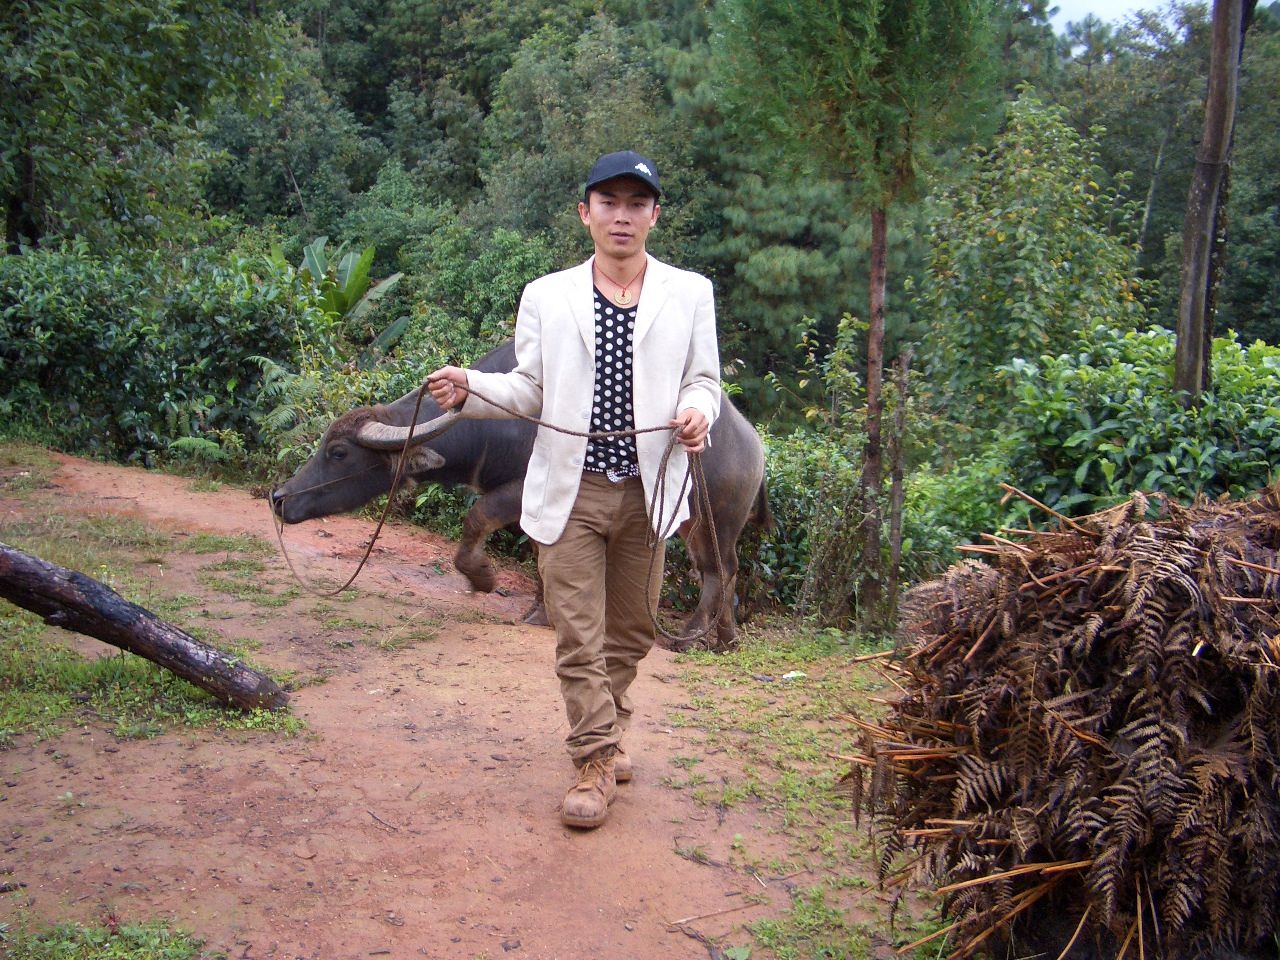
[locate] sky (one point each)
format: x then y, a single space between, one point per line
1111 11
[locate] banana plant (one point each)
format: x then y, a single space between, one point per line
346 291
344 279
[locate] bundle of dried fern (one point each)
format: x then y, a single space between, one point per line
1086 753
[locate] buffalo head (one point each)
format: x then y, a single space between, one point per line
355 462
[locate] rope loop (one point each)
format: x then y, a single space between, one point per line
694 481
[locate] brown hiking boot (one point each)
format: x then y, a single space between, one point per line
621 766
586 805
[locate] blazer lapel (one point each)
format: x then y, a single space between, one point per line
582 304
653 297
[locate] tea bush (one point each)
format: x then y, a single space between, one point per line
122 355
1090 426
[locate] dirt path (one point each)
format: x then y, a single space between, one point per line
416 817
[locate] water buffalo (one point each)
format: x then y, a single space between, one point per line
357 457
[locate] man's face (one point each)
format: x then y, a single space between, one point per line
619 214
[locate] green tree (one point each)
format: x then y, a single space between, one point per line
1145 99
860 90
1250 297
436 133
301 162
1087 47
1025 250
99 105
565 101
1028 49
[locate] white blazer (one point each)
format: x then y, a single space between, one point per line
675 365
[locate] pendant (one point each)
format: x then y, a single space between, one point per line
623 298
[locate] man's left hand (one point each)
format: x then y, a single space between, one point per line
691 428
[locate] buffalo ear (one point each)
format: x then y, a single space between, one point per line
423 460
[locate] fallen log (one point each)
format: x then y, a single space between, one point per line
73 601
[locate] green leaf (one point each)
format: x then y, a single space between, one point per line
313 259
369 299
353 274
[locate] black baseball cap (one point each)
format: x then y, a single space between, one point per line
624 163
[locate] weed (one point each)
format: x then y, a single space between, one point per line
347 623
221 543
113 941
695 854
237 564
811 929
248 589
733 793
693 780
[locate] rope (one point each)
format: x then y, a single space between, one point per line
700 510
386 510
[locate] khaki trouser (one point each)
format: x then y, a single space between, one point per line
593 580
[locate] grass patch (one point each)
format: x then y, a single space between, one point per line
812 928
772 707
238 564
221 543
154 941
90 544
24 468
248 588
45 686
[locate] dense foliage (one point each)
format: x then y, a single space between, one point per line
1094 424
99 108
165 170
124 355
1025 250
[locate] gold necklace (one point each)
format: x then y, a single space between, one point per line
623 297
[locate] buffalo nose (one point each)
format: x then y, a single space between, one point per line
276 498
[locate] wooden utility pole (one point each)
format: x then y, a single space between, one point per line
871 588
1191 365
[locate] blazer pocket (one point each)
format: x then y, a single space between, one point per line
535 484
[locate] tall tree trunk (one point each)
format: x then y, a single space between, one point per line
870 593
1192 372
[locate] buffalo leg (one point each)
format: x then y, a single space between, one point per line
536 615
492 511
717 594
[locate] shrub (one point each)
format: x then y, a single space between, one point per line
1024 250
121 356
1089 427
954 505
805 472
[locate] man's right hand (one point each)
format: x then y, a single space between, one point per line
448 386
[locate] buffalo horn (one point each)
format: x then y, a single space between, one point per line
384 436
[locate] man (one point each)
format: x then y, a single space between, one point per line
619 342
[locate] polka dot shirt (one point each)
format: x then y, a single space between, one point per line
611 408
